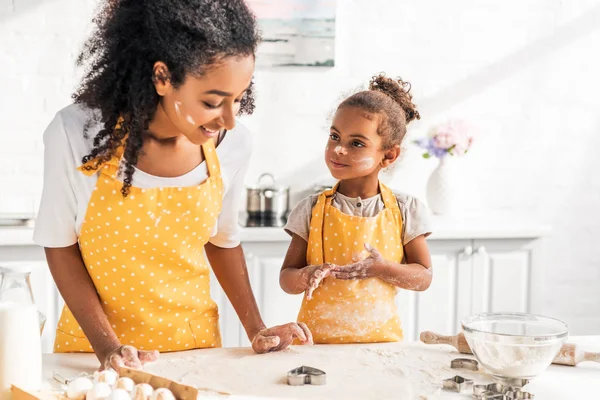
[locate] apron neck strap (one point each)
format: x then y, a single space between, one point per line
211 158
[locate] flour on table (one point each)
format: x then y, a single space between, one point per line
375 371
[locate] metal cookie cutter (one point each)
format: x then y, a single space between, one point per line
457 384
464 363
491 396
65 381
478 390
515 382
492 391
518 395
498 391
306 375
498 388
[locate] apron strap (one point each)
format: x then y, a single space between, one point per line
390 202
211 158
110 167
317 221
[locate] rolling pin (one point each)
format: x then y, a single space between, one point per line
570 354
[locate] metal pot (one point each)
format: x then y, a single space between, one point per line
267 201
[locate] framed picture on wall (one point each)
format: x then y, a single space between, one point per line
296 33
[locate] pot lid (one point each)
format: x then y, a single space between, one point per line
267 182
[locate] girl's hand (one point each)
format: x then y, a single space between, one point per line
314 275
128 356
280 337
367 268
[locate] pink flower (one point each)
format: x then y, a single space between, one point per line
453 136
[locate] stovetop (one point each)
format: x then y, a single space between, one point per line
257 222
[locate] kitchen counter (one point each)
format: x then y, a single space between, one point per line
375 371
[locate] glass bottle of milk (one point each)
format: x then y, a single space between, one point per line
20 330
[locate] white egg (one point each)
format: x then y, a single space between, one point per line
107 376
119 394
126 384
142 391
162 394
100 391
78 388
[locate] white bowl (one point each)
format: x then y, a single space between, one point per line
514 345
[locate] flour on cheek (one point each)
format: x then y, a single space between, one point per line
364 163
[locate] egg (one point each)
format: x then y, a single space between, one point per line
142 391
100 391
162 394
107 376
126 384
78 388
119 394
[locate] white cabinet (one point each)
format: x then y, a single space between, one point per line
472 276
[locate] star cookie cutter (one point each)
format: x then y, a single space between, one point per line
457 384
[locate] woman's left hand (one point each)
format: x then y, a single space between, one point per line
280 337
367 268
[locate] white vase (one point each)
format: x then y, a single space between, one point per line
442 187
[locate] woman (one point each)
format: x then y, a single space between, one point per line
143 173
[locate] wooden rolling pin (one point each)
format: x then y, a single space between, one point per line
570 354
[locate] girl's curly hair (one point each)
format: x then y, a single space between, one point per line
391 99
129 38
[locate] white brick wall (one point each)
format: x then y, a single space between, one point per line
524 70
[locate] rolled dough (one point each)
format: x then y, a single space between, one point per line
370 371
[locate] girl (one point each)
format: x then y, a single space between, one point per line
142 177
353 246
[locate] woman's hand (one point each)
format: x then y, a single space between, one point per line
281 337
128 356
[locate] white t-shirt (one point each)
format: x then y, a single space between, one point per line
67 191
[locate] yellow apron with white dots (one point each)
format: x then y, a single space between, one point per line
361 310
145 255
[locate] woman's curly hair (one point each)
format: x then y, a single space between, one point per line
129 38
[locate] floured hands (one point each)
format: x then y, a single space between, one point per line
281 337
128 356
367 268
314 275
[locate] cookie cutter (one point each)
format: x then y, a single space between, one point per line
498 391
519 395
491 396
492 391
65 381
306 376
464 363
478 390
457 384
516 383
498 388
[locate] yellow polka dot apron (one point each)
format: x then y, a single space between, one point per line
145 255
353 311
